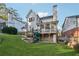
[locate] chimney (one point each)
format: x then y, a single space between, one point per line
54 23
55 13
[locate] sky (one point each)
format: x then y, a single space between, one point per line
45 9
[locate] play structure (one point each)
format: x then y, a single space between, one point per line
36 37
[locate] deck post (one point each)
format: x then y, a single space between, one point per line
54 38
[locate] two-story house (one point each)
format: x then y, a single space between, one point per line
47 26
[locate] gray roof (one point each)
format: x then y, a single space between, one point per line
30 12
46 17
73 16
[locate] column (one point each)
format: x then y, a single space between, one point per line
54 38
49 39
50 28
49 34
43 32
44 27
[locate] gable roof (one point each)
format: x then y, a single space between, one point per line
41 18
29 13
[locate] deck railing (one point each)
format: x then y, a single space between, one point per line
48 31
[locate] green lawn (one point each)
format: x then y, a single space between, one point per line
13 45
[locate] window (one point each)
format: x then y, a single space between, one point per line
74 22
47 26
42 26
31 19
38 25
52 26
78 22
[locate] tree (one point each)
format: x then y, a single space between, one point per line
3 11
13 11
2 5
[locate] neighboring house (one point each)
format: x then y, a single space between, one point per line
2 23
12 21
70 28
47 25
8 18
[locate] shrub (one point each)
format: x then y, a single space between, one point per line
9 30
76 47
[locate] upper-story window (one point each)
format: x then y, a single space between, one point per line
78 21
47 26
42 26
31 19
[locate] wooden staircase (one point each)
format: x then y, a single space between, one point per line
28 37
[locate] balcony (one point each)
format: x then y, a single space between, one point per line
48 31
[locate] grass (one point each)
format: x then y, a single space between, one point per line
12 45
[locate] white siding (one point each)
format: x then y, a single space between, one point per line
33 23
10 21
50 30
69 24
78 21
